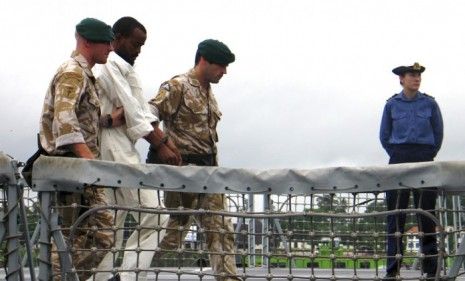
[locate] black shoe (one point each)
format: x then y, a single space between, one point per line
115 277
431 276
390 277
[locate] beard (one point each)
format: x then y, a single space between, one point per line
126 57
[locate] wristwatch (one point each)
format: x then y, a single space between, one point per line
164 139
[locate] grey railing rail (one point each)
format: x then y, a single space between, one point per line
53 174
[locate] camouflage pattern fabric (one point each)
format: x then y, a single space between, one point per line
190 114
94 233
71 109
218 230
70 115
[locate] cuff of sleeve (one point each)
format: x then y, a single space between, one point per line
151 118
139 131
69 139
436 151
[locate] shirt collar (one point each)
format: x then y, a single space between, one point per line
401 96
81 60
192 79
195 82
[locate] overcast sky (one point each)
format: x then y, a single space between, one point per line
308 86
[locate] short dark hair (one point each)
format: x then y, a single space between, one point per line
197 57
405 73
126 25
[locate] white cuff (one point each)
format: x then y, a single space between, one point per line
139 131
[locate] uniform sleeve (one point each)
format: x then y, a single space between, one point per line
65 126
386 128
166 103
115 85
438 126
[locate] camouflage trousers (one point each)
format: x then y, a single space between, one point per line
93 238
218 230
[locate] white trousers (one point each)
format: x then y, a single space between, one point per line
146 239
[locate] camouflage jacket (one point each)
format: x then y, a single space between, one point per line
71 109
189 114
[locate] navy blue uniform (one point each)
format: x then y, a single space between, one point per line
411 131
415 121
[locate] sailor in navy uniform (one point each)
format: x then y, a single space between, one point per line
411 131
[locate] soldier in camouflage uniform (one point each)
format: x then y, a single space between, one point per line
190 113
69 127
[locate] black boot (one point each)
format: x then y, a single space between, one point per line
115 277
390 277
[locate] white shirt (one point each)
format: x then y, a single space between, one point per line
120 86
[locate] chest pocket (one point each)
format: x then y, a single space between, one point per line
196 103
93 97
192 113
88 110
214 118
424 113
397 114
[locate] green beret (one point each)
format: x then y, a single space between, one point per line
216 52
95 30
415 68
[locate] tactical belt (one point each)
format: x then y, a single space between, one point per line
208 159
199 159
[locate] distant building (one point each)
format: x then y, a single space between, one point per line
413 242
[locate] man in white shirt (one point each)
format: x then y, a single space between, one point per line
121 88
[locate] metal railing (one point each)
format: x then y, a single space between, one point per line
326 224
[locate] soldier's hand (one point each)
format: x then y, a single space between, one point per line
175 150
167 156
118 117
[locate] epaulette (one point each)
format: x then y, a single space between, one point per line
391 97
166 85
428 96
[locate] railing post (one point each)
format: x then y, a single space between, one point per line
251 242
265 229
15 271
458 261
26 237
45 266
